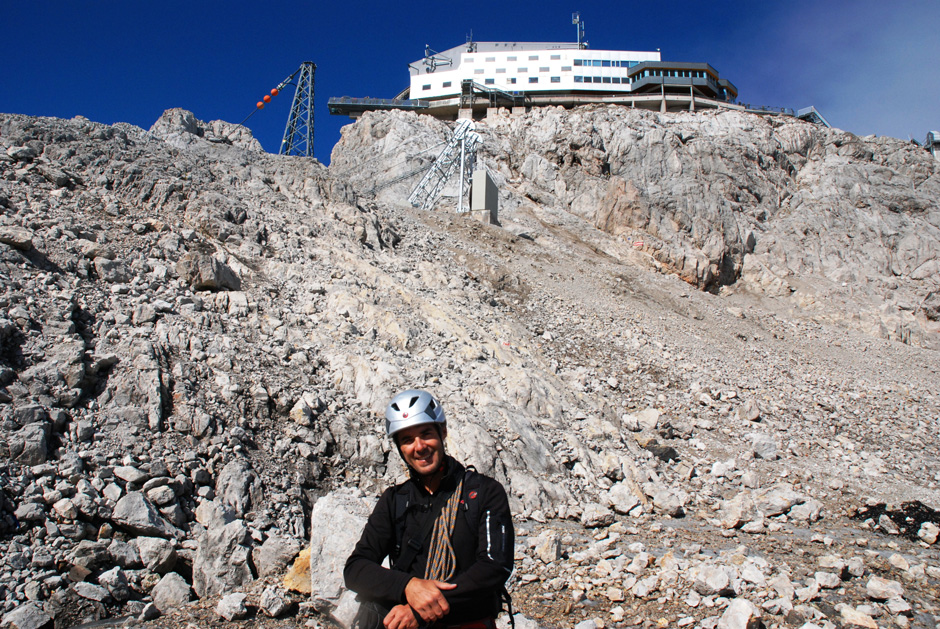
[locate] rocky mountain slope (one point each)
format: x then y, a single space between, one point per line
198 339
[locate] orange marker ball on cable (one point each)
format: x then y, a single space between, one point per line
260 105
266 98
274 92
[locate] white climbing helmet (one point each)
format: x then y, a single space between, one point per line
412 408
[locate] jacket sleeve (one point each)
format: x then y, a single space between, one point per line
495 548
364 573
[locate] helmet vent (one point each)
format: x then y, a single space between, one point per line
431 405
395 406
413 400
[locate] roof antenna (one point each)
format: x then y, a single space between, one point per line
471 45
579 25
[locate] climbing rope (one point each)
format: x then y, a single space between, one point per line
442 562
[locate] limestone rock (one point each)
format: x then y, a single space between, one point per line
17 237
204 272
171 592
232 606
337 520
883 589
272 603
157 554
238 487
222 561
275 554
29 615
135 513
740 614
596 515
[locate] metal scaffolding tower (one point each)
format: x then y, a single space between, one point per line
298 134
460 150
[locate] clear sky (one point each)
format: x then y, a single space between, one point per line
869 66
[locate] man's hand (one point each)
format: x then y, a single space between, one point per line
401 617
426 598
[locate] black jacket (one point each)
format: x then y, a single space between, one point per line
484 555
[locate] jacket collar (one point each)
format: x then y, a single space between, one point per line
453 472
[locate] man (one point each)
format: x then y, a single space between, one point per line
447 532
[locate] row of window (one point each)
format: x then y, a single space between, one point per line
522 70
601 79
605 63
687 74
534 79
512 58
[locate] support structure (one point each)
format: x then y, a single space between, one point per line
459 152
298 134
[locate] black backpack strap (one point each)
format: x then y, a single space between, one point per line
413 546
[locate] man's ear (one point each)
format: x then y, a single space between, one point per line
443 432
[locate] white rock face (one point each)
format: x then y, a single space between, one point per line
717 197
142 396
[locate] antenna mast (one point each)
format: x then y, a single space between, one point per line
579 25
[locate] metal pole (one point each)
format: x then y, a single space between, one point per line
463 146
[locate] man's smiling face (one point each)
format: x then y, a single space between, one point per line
422 447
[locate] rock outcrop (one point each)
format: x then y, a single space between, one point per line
847 227
197 340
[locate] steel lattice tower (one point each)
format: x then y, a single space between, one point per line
298 134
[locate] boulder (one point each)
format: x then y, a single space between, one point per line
16 237
115 580
336 523
740 614
596 515
29 615
223 560
239 487
29 445
205 273
275 554
157 554
136 514
171 592
233 606
272 603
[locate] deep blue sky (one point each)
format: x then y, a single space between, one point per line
869 66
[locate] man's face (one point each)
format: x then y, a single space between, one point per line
422 448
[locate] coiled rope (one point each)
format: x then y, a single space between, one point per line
442 562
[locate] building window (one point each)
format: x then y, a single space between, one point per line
446 83
513 58
478 71
617 79
426 86
543 69
606 79
579 79
500 70
556 79
577 62
489 81
468 59
605 63
490 59
533 57
566 68
512 80
556 57
533 79
521 70
596 63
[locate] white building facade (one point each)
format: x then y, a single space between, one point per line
529 67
